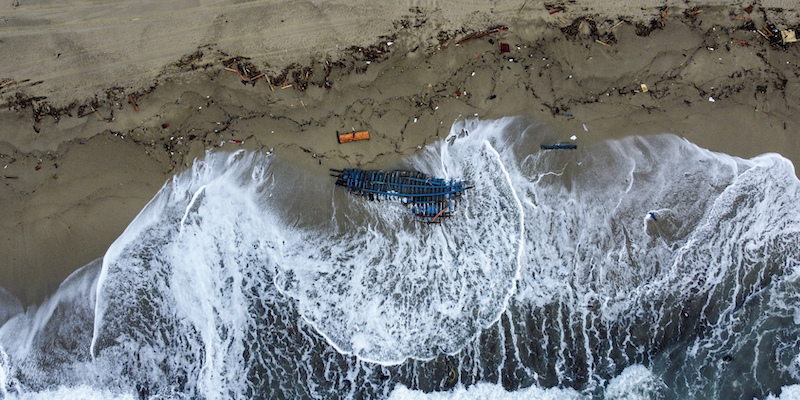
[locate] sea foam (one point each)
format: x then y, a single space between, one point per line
644 267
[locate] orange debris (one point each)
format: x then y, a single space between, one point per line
353 136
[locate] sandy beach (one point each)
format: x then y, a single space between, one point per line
102 101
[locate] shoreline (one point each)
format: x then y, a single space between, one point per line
77 172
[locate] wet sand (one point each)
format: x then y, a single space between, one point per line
103 102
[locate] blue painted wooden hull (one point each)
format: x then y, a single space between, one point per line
427 197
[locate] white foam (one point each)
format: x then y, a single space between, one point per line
486 391
397 288
789 392
17 335
635 382
380 286
179 277
553 253
4 364
81 392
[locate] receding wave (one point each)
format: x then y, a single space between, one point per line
639 267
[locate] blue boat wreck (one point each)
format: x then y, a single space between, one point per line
559 146
427 197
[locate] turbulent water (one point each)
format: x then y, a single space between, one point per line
640 268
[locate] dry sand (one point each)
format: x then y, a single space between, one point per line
79 160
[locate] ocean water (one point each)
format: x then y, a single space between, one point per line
638 268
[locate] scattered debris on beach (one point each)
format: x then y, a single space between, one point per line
496 29
455 89
246 70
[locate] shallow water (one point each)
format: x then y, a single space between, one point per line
645 267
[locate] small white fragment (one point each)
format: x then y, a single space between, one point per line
585 128
415 120
711 99
573 137
473 73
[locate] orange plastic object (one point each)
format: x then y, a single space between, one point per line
353 136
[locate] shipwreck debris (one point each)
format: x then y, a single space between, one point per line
352 136
428 198
559 146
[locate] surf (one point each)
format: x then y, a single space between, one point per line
645 259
